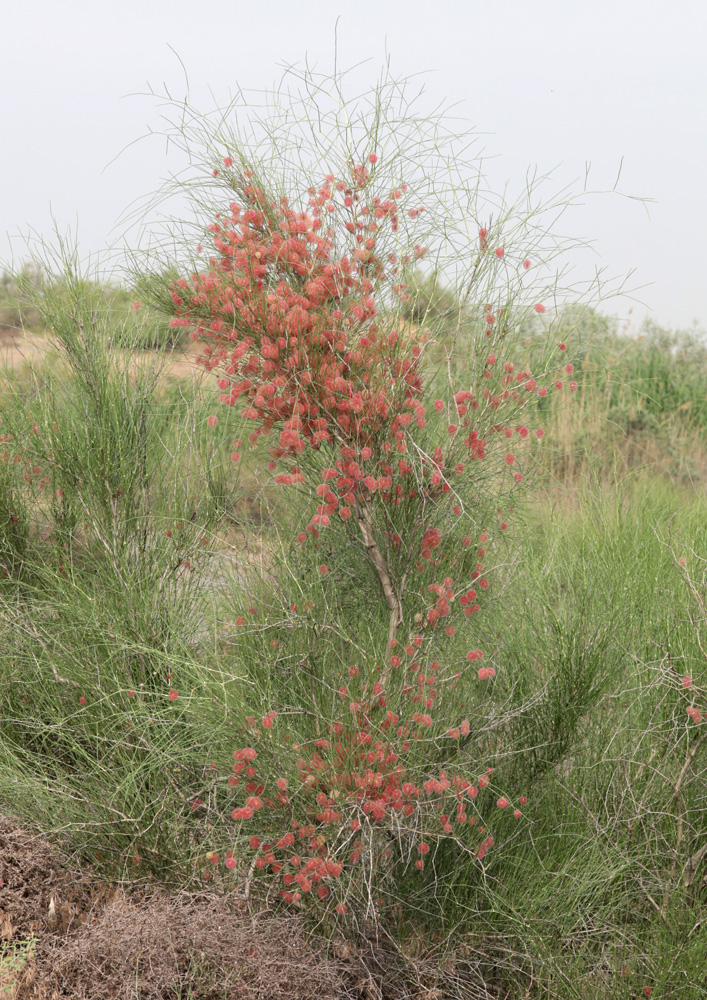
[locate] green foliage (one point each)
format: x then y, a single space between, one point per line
432 303
117 493
16 309
15 957
139 329
651 379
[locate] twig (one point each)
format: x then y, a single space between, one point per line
678 841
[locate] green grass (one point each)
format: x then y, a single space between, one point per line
14 959
601 633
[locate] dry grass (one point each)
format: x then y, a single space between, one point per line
94 941
67 934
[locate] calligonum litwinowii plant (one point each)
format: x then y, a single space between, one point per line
365 756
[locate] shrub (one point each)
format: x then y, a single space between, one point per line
376 687
16 309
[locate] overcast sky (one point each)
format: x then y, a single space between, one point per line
550 83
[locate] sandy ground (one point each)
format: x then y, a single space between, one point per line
19 348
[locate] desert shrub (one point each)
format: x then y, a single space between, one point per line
16 310
112 490
374 685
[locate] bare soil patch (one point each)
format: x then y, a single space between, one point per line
22 347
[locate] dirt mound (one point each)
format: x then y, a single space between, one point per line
67 935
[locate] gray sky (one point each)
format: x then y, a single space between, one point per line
550 83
